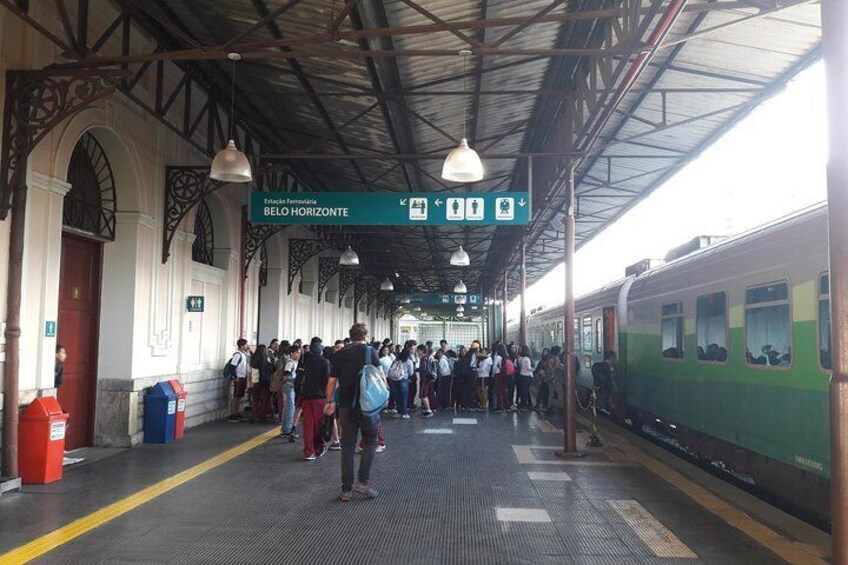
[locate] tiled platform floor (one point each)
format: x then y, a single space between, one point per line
491 492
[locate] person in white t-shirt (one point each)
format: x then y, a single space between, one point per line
525 375
239 361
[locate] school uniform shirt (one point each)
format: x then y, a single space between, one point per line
526 367
497 362
239 361
484 369
386 363
444 367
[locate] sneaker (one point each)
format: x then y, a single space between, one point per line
405 416
359 449
283 435
311 458
323 451
242 418
499 411
381 448
294 432
233 418
365 489
391 411
427 414
335 446
399 416
345 496
292 437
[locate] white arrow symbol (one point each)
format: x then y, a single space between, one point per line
438 202
403 201
521 203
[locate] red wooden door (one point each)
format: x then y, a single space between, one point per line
79 305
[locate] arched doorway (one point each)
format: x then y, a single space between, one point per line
88 220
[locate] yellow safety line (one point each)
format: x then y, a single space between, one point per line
54 539
794 552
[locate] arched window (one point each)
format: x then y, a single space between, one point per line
90 204
204 236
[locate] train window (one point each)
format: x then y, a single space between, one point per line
711 327
599 335
672 330
587 334
768 329
576 334
824 322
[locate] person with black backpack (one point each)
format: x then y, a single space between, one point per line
345 373
312 386
236 371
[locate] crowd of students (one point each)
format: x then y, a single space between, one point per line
292 382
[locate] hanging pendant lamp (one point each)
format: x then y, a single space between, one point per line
460 309
463 164
349 257
460 258
460 288
387 285
230 164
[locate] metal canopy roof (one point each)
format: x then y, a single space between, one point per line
370 95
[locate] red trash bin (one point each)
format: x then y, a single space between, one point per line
179 428
42 441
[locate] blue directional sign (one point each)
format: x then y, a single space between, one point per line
435 299
390 208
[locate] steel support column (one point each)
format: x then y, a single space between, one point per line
522 323
834 15
505 303
570 386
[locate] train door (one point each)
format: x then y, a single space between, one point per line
609 329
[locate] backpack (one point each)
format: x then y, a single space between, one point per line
508 367
396 370
373 388
229 371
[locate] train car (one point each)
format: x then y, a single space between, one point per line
728 349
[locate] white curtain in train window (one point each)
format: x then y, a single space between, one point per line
672 330
768 331
767 334
711 327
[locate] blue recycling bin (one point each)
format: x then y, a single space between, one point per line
160 414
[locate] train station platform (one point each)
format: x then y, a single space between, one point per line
456 488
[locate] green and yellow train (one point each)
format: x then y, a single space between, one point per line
728 349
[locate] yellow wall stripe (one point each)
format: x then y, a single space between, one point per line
54 539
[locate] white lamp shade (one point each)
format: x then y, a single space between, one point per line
460 288
462 164
460 258
349 257
460 309
387 285
230 165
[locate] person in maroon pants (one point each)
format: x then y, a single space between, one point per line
313 388
261 390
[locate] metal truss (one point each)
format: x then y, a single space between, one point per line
35 103
255 237
185 188
328 267
347 277
360 289
301 251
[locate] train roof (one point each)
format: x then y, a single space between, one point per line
780 224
